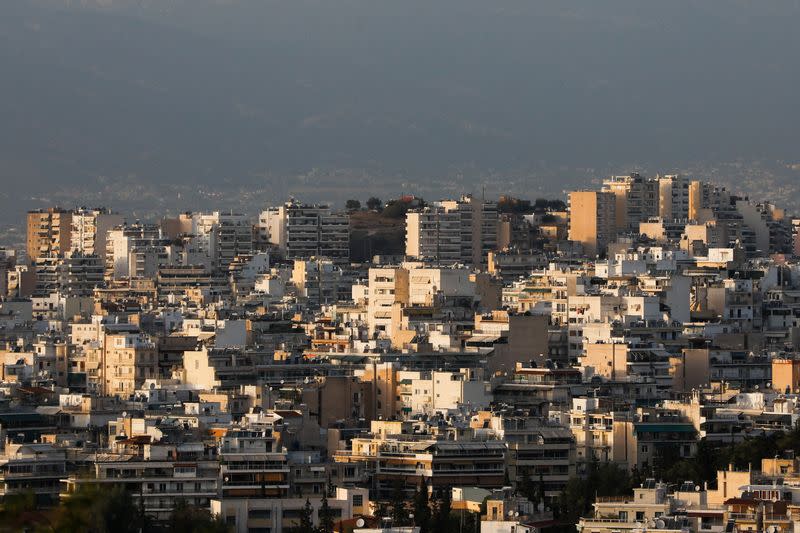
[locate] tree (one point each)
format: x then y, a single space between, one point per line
382 510
395 209
20 512
352 205
526 487
325 516
422 509
509 204
543 204
399 514
93 510
606 479
374 204
187 518
306 524
444 506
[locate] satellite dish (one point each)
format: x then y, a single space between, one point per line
660 524
697 488
360 522
772 529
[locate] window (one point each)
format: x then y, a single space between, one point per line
358 500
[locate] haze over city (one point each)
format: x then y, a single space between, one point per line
116 100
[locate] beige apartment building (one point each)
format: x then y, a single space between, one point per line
413 285
673 197
592 220
49 232
636 199
126 361
786 375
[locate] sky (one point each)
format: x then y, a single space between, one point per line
247 92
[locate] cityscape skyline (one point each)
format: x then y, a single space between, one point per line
364 266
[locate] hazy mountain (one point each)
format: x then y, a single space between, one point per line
195 91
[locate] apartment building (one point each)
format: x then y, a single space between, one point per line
89 230
75 274
232 238
32 468
252 464
251 515
127 359
395 454
302 231
321 281
543 453
49 232
435 234
453 231
592 220
674 197
158 474
412 284
431 392
636 200
135 250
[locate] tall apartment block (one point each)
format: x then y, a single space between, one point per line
434 233
89 230
135 250
49 232
453 231
592 220
302 231
674 197
636 200
232 238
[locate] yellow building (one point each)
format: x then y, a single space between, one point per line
127 360
592 220
729 483
49 232
609 360
786 375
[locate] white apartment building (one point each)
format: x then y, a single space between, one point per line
302 231
412 284
131 248
453 231
90 228
429 392
320 281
